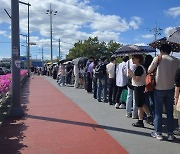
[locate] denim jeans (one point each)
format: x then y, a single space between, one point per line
130 101
166 97
62 80
112 90
102 86
149 98
95 87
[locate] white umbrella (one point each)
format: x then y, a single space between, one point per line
174 35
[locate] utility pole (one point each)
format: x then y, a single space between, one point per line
42 56
59 49
15 109
51 12
157 31
28 48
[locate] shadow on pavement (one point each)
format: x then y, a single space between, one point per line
11 136
11 130
94 126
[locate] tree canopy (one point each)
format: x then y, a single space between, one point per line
93 47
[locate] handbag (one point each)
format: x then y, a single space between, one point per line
150 78
129 84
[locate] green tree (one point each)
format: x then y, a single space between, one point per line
92 47
112 47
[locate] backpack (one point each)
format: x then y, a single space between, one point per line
99 71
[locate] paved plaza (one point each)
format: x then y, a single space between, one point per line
66 120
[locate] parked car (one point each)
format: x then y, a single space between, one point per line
1 71
4 70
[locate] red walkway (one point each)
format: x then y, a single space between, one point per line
54 125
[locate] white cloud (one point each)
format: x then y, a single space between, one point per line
141 44
174 12
135 22
147 36
75 20
3 33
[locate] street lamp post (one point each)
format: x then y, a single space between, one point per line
15 109
42 56
59 50
51 12
28 48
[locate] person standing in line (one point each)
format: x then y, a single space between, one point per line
69 70
32 71
95 80
149 94
89 74
102 81
111 72
81 75
76 74
130 101
121 82
61 75
138 81
164 90
177 100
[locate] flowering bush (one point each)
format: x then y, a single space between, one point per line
23 72
5 81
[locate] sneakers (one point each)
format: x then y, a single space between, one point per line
170 137
117 105
105 101
128 114
122 106
157 136
177 132
149 120
139 123
110 103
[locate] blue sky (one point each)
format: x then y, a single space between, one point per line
123 21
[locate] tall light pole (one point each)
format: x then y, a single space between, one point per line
51 12
59 50
42 56
28 48
15 109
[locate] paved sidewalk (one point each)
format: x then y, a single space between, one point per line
54 124
113 121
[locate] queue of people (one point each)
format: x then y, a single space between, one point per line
107 81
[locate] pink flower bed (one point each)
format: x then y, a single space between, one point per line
5 81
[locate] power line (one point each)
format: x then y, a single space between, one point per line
156 31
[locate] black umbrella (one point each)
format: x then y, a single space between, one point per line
133 49
79 60
175 47
82 61
64 60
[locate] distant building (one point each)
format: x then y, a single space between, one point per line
6 62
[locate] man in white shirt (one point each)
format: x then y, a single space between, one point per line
121 82
164 90
76 74
110 69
